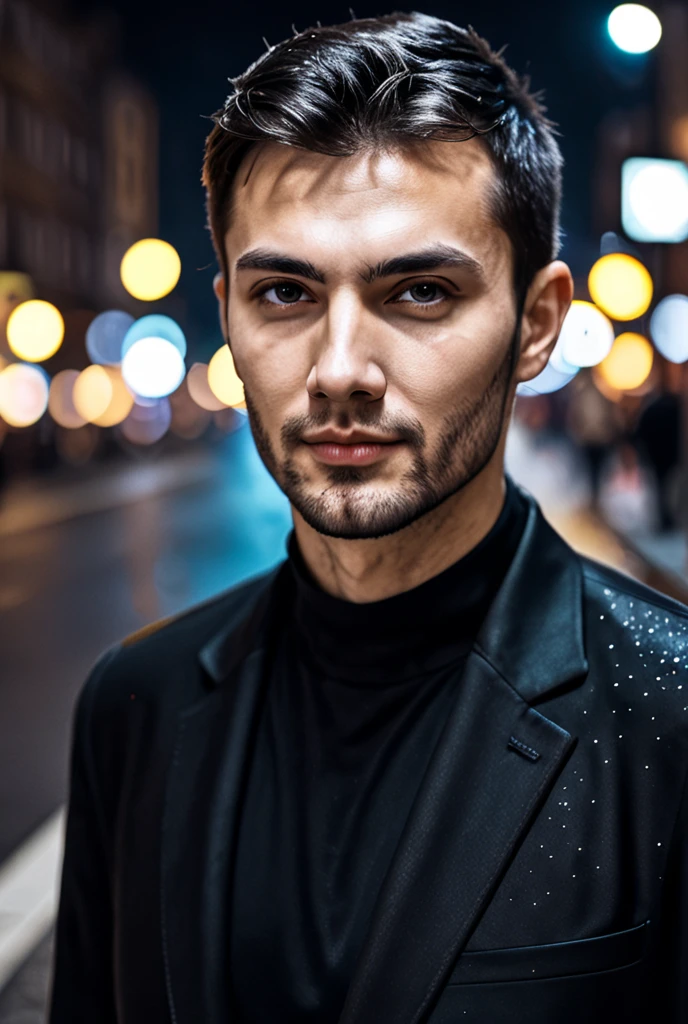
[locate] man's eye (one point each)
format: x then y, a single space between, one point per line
285 294
425 293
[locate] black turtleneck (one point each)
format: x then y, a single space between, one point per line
355 703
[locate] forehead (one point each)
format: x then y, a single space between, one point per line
375 199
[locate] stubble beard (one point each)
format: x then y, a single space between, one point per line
349 507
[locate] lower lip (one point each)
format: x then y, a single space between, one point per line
351 454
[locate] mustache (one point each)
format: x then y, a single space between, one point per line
403 427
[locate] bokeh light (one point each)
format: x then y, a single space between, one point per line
105 336
35 330
153 367
654 199
92 392
150 269
669 328
223 379
634 28
24 391
586 336
629 363
199 388
155 325
548 380
120 403
61 402
621 286
146 424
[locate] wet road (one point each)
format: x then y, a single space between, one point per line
70 589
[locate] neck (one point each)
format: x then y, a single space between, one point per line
371 570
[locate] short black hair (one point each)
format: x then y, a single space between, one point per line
405 76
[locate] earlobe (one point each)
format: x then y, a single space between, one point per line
220 289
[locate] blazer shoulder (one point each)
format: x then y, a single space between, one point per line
162 657
603 582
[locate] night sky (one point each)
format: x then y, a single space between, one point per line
185 56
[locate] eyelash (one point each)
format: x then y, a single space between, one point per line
260 295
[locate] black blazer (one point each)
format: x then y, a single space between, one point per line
542 875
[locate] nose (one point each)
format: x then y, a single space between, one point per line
346 364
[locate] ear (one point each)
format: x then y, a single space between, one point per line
220 289
547 303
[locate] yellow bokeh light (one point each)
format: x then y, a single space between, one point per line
120 404
629 363
93 392
150 269
23 394
35 330
621 286
223 379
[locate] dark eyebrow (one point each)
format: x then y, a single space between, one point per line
431 258
264 259
434 256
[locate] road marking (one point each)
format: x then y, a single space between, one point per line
29 893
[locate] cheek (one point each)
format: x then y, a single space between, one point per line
453 367
274 371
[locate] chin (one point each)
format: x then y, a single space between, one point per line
356 516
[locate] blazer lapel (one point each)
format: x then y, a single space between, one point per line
493 767
199 829
200 818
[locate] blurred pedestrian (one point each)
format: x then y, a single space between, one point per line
595 425
657 436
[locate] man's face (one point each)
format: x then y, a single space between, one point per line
371 315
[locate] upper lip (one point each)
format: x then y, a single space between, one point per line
355 437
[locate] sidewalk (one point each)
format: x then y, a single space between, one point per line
553 471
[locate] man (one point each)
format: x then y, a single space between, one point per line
432 767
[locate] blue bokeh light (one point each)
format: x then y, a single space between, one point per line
105 335
155 325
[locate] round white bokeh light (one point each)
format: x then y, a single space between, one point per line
24 391
587 335
669 328
548 380
634 28
657 200
153 367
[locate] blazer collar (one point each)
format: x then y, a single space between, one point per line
539 607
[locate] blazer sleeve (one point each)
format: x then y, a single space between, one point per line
670 970
82 984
